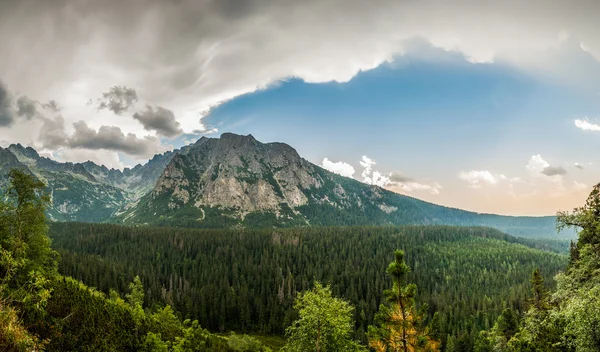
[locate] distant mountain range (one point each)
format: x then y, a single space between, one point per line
236 181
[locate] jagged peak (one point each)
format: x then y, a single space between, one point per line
227 135
26 151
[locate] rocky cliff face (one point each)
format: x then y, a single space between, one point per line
239 180
237 173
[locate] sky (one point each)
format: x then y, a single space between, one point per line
490 106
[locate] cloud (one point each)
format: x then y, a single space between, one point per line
160 120
340 167
195 54
578 186
26 107
536 165
586 125
118 99
579 166
6 112
110 159
370 176
554 170
411 186
394 181
400 178
53 135
112 138
477 178
52 105
542 172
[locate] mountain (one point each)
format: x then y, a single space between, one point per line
238 181
84 191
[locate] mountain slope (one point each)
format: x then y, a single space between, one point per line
238 181
84 191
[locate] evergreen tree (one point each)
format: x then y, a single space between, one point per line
539 299
400 326
26 261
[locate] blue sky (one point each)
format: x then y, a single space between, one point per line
430 120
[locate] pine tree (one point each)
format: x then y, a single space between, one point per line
539 299
400 326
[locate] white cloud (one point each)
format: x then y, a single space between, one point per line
370 176
537 168
477 178
536 165
586 125
393 181
411 186
578 166
579 186
101 157
340 167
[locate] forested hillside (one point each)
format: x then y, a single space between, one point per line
567 318
247 280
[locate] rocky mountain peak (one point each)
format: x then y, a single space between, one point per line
20 150
237 172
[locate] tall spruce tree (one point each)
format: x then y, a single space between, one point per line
399 325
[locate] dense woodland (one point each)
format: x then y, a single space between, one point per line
247 280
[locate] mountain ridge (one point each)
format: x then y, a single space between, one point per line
235 181
238 181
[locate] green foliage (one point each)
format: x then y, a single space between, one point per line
13 334
26 260
569 318
324 324
245 343
247 280
23 226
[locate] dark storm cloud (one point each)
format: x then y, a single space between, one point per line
26 107
118 99
112 138
160 120
53 135
554 171
6 112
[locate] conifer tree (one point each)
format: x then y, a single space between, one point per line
399 325
539 299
